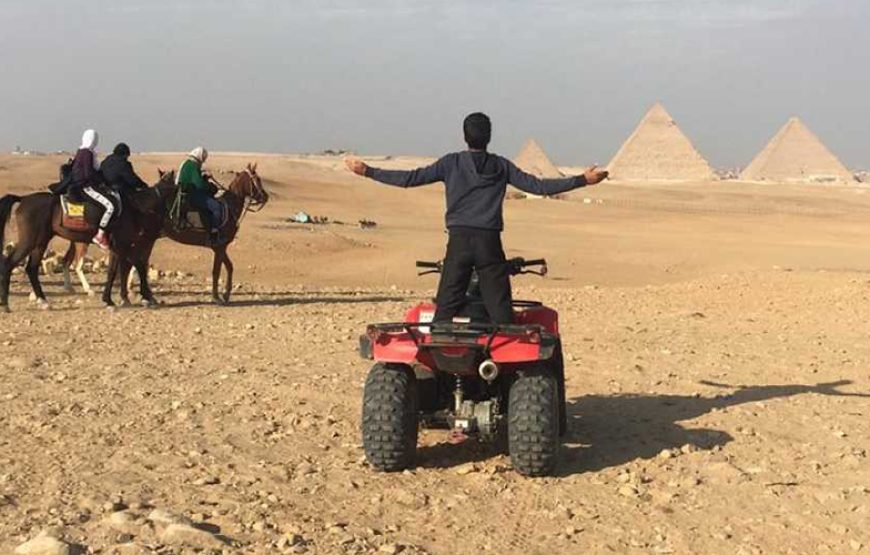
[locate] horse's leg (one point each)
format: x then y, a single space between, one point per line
125 272
32 297
68 260
32 269
143 258
219 254
4 284
25 245
111 272
81 252
132 274
228 264
141 266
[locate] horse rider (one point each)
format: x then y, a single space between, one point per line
87 179
119 174
201 191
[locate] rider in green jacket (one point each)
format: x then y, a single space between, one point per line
200 191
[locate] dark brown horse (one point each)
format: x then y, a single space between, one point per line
244 194
39 220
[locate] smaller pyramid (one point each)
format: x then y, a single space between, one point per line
795 154
532 159
658 150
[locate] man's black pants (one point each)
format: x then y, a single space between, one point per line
471 249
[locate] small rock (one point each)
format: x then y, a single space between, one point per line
43 545
628 491
122 521
390 548
160 516
259 526
186 535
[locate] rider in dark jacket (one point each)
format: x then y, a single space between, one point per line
118 171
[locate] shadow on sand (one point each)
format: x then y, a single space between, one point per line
610 430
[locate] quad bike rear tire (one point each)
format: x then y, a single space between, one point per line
558 364
390 417
533 421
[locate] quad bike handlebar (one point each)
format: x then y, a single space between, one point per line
517 265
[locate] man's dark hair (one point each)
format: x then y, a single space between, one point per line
122 150
478 130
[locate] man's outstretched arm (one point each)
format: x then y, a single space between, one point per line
536 186
400 178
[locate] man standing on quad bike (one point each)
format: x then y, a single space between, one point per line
475 182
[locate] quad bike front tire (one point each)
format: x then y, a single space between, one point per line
533 421
390 417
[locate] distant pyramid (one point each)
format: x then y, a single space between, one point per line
533 160
658 150
796 154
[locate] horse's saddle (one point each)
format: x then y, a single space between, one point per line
191 218
73 214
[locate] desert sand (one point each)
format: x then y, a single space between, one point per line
717 350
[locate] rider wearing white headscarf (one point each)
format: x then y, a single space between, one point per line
86 179
200 192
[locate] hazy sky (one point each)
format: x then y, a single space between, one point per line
397 76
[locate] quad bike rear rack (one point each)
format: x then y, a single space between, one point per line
457 345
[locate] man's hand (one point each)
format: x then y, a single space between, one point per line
356 166
593 175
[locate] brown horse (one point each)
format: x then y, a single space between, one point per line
39 220
244 194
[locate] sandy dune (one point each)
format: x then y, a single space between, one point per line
717 347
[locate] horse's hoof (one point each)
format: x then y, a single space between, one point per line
110 307
218 301
68 289
126 303
148 303
89 292
33 298
5 309
42 304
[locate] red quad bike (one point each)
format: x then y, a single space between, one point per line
471 376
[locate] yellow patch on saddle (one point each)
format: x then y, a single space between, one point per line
72 209
75 210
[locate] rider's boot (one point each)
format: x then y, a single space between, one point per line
101 239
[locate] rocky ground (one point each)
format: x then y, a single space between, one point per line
723 415
717 351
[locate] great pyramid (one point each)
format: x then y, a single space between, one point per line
659 151
796 154
533 160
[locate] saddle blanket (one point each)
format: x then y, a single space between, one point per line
73 215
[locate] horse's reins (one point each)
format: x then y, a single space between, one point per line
250 204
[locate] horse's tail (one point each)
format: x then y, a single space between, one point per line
6 204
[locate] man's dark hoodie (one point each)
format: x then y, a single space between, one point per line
475 182
118 171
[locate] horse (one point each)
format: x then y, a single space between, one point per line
39 218
244 194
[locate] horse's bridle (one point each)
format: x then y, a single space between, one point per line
253 204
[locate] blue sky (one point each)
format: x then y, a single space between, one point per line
397 76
